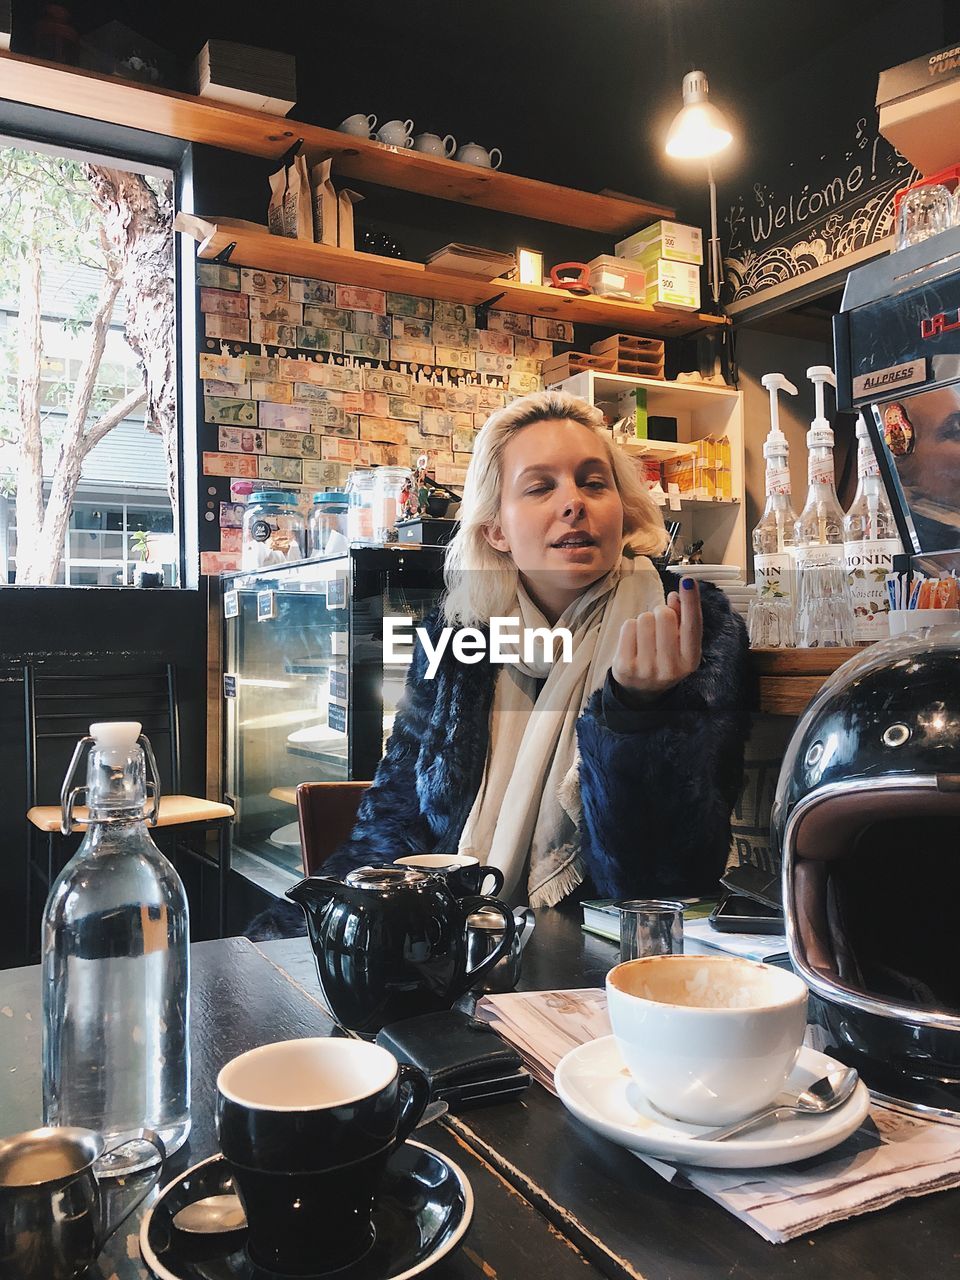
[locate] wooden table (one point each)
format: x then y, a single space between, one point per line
240 999
626 1220
553 1200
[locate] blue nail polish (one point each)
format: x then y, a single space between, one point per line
687 584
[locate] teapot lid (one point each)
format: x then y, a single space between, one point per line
385 877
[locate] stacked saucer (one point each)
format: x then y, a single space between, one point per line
728 577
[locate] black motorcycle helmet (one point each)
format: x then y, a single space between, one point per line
866 823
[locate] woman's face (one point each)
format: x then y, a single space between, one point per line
561 518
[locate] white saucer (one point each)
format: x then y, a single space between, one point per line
594 1084
286 837
708 572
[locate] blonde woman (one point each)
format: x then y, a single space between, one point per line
612 774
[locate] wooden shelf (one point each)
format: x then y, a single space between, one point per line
682 395
801 662
663 397
787 679
343 266
656 448
705 504
219 124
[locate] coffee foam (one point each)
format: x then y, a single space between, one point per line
704 982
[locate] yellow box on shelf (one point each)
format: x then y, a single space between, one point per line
673 241
673 284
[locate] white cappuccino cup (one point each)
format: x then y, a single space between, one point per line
708 1039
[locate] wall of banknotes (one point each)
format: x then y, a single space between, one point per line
304 381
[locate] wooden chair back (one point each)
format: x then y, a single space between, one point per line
328 812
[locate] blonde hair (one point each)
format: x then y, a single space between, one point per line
481 581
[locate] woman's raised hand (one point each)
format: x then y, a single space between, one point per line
661 647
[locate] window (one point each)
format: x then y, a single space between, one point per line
88 417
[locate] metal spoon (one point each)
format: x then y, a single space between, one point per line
211 1216
825 1094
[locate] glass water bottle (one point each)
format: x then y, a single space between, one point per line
116 1052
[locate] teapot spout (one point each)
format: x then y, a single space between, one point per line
315 892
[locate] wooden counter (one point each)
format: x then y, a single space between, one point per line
788 678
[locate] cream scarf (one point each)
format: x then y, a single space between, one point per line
526 817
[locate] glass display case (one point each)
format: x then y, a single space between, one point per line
308 696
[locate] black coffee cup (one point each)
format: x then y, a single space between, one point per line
307 1127
464 874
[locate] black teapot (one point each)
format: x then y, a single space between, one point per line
391 942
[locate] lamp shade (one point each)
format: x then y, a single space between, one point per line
699 129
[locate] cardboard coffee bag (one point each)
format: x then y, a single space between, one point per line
324 204
297 218
278 190
345 202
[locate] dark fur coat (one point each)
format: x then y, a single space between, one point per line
657 785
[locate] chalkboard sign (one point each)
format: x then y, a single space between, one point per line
820 210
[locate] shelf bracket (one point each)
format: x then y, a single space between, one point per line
483 309
224 254
291 153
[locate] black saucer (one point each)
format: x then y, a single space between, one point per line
423 1211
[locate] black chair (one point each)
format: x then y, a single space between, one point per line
59 709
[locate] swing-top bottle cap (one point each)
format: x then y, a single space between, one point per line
115 739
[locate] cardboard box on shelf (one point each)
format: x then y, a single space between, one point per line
673 241
679 471
642 357
262 79
571 362
675 285
641 418
661 428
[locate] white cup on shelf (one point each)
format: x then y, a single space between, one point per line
360 126
473 153
431 144
396 133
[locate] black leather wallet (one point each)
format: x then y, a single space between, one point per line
465 1061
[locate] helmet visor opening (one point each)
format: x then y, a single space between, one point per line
875 887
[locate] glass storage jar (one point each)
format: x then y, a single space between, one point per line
328 524
360 512
391 484
273 531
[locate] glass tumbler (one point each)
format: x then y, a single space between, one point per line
650 927
924 212
770 622
825 616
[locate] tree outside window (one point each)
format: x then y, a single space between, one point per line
57 211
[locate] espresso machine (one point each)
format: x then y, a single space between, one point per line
897 351
865 818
